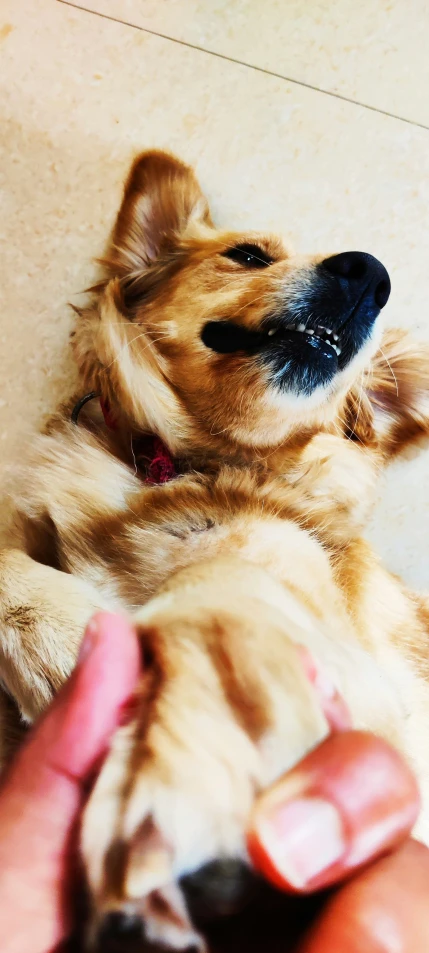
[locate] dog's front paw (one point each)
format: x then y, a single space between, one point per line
43 613
173 797
336 480
225 708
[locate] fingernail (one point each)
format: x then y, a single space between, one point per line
89 641
303 839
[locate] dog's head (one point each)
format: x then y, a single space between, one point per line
208 336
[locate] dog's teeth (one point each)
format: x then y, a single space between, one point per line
290 327
328 331
337 349
335 337
310 331
271 332
301 327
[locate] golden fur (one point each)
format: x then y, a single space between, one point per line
254 550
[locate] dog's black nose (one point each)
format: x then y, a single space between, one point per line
361 273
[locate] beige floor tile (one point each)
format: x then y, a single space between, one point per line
374 51
81 94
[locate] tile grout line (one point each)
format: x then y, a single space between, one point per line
258 69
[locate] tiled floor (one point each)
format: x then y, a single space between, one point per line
81 91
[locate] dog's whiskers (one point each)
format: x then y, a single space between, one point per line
391 369
353 432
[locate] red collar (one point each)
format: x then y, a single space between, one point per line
152 456
154 459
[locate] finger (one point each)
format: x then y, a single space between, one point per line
348 801
43 792
383 909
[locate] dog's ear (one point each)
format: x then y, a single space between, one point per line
119 361
390 408
163 208
162 203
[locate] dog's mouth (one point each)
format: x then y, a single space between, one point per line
304 355
300 357
226 337
297 356
321 338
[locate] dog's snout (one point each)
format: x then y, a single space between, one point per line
361 273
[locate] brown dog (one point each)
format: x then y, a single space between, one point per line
233 537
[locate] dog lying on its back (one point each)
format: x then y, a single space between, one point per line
247 411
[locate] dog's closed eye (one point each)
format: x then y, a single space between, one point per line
251 256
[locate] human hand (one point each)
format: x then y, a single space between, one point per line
43 794
344 814
357 775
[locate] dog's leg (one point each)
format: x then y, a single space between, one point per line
43 613
335 481
224 708
72 485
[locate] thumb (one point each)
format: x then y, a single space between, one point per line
43 792
348 801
